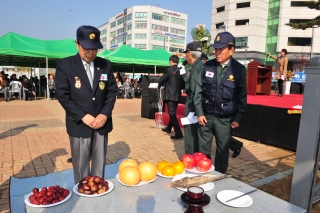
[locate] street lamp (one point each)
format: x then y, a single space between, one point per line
245 55
225 27
312 41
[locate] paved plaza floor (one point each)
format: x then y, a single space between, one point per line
33 142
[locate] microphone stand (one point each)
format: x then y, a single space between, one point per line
159 121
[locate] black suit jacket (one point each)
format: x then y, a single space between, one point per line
79 101
173 84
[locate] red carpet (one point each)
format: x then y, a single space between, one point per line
286 101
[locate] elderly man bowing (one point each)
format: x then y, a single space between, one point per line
86 89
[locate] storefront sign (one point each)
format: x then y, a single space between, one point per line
118 16
172 13
113 46
175 45
140 21
168 34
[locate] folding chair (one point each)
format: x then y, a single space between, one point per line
15 87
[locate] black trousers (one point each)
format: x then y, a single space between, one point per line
280 85
51 92
173 122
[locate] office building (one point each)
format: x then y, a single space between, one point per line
259 28
147 27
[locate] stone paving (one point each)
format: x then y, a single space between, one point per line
33 142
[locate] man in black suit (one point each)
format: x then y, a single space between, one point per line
172 94
86 89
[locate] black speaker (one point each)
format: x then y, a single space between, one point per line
296 88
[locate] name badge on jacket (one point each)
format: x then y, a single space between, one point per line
209 74
77 82
103 77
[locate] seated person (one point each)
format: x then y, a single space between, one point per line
128 90
136 87
28 89
120 88
3 88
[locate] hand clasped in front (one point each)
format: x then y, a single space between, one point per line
95 122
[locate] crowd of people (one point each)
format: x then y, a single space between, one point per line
128 88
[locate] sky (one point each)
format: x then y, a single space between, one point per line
59 19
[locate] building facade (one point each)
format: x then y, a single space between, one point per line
259 28
147 27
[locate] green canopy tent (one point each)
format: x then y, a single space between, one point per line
127 58
18 50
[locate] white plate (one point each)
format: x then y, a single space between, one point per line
244 201
195 170
26 200
141 183
161 175
110 184
206 187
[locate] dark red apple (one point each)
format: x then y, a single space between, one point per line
204 164
100 185
188 161
88 192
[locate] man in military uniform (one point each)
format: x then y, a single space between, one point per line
220 99
193 58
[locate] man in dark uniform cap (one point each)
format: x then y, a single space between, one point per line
220 100
193 57
86 89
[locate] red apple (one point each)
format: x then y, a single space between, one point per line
204 164
188 161
198 155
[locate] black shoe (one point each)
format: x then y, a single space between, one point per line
237 151
69 160
166 130
280 95
176 137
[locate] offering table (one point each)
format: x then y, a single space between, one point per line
160 197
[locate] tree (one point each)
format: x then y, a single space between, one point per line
199 33
311 23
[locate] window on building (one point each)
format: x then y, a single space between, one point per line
102 32
157 38
298 20
140 26
242 22
129 37
299 3
298 41
122 39
141 15
177 50
243 4
121 20
129 17
177 31
220 9
112 42
121 30
178 21
177 41
113 33
157 47
103 39
104 47
160 28
218 25
113 24
241 42
140 46
140 35
160 17
129 27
